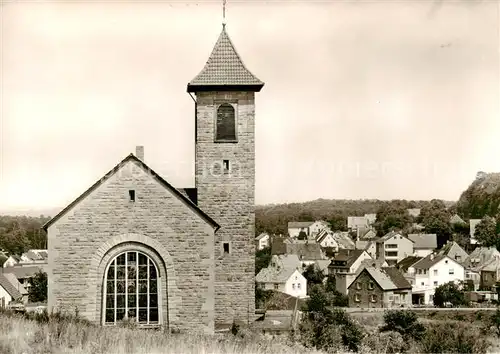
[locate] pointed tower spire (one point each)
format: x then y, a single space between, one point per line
224 70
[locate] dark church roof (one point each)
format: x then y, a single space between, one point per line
189 202
224 70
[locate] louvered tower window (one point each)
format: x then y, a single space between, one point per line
226 123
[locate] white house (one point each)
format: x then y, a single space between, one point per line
318 226
431 272
11 261
356 222
423 244
325 239
393 247
295 227
262 241
283 275
371 218
473 223
11 290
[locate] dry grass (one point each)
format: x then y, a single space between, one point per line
21 336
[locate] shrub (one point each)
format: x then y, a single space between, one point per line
494 321
325 327
449 293
37 291
403 322
453 338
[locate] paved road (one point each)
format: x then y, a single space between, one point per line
356 310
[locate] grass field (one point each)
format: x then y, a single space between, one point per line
21 336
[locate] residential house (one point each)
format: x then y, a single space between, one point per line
489 275
405 266
473 223
379 288
23 273
356 222
368 235
11 261
262 241
35 257
307 252
369 246
296 227
423 244
326 240
317 226
431 272
283 274
393 247
456 219
414 212
344 267
344 240
11 290
454 251
322 265
476 261
371 218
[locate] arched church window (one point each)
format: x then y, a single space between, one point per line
131 290
226 123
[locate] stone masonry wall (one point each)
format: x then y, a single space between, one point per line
82 242
365 292
230 200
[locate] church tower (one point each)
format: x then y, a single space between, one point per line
225 174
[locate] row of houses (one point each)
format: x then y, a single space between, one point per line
406 268
16 272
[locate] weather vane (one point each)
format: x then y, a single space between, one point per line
223 12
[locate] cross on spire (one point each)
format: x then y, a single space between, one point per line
224 13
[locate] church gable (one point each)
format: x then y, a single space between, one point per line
127 179
129 215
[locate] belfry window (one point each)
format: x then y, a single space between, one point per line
226 123
131 290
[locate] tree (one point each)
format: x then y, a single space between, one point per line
449 293
436 220
324 326
302 236
262 259
392 216
37 291
313 276
485 232
338 223
405 323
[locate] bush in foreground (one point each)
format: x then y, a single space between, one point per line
453 337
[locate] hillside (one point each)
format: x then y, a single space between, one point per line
275 217
481 198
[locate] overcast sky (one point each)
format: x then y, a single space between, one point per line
382 99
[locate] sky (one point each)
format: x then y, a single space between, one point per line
362 99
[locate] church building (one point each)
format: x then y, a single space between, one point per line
133 247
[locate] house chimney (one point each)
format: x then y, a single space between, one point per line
432 256
139 152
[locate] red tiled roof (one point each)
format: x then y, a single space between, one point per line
224 68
